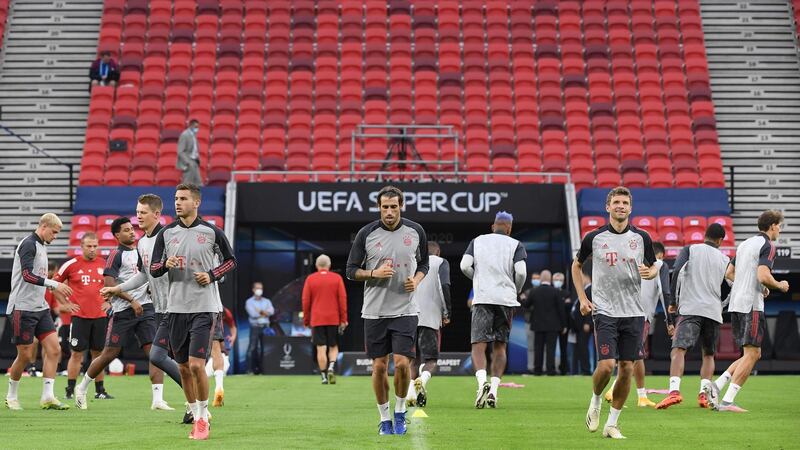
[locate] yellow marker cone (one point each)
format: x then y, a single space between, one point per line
419 413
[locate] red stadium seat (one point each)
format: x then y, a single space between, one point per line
725 221
104 221
83 222
107 240
694 223
661 179
215 220
646 223
142 177
608 179
590 223
116 177
695 237
218 177
168 176
668 224
630 79
672 239
687 180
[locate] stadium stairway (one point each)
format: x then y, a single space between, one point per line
755 82
44 98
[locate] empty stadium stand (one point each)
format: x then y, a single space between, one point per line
612 92
609 91
755 81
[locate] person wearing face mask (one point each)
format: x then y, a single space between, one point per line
548 319
189 154
536 281
259 310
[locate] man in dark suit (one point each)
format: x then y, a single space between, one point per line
548 319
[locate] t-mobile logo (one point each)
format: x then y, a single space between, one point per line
611 258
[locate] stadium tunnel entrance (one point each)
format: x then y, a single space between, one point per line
282 228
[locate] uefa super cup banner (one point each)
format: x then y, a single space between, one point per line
284 355
424 202
449 363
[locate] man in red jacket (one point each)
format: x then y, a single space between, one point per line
325 310
84 274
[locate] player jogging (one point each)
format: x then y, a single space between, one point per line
87 331
148 214
30 314
752 268
699 273
653 291
390 256
219 353
134 314
433 299
187 249
621 256
495 263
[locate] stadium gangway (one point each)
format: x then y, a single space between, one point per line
252 176
40 152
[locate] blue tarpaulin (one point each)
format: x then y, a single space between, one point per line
660 202
99 200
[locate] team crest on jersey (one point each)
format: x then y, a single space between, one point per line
100 271
201 238
174 241
604 349
407 240
378 246
633 244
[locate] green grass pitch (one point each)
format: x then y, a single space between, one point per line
299 412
